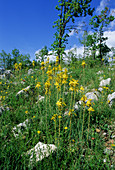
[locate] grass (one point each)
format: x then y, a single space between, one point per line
77 135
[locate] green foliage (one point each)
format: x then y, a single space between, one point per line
69 10
42 54
8 60
99 23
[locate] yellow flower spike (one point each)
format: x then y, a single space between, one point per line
83 64
91 109
66 128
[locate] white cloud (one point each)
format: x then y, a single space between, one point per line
102 5
111 38
71 33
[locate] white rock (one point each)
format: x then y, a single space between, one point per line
30 71
105 82
101 78
91 95
22 91
110 98
100 72
17 129
2 76
41 151
100 89
41 98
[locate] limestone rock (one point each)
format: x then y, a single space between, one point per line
17 130
100 72
22 91
8 74
30 71
2 76
110 98
105 82
40 151
91 95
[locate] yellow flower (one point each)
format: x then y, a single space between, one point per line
65 128
84 98
73 140
26 112
108 101
83 64
34 116
0 82
102 59
42 63
88 102
38 85
59 117
38 132
91 109
31 76
60 104
81 88
70 112
3 97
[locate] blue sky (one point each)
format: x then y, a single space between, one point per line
27 24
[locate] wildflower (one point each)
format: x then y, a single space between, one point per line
70 112
83 64
102 59
108 101
33 63
73 140
88 102
92 138
91 109
81 88
64 78
59 117
3 97
20 65
60 104
0 82
26 112
84 98
57 85
60 68
47 86
38 132
38 85
34 116
65 128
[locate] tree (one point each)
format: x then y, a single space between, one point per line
41 55
69 10
99 23
15 55
5 60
